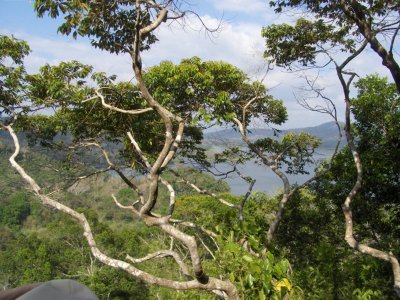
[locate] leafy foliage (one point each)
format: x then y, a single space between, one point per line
101 21
16 211
311 232
264 277
12 71
354 22
334 10
211 92
294 150
199 91
302 42
257 272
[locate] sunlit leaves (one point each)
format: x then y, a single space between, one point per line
211 92
294 150
110 24
13 48
287 44
12 72
258 277
59 85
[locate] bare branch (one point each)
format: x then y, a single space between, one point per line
347 211
93 174
202 282
286 185
246 196
250 102
144 13
164 253
128 207
396 32
79 217
139 151
206 247
204 192
110 107
210 233
354 10
111 167
187 240
330 109
162 14
171 196
175 145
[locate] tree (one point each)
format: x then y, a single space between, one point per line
325 266
375 110
137 23
11 78
358 24
340 23
16 211
146 125
110 110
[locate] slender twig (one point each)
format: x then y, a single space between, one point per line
202 191
164 253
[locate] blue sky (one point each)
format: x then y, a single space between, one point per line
240 30
19 16
239 42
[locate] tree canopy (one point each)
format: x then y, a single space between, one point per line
336 23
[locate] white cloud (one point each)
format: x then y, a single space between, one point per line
54 51
240 5
238 43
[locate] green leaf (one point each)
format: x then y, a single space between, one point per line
261 295
247 258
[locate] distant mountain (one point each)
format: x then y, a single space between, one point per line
217 140
327 132
267 181
6 139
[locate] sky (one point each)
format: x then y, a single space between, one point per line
238 42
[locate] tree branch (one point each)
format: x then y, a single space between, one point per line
111 167
354 10
164 253
202 282
110 107
286 186
347 211
171 196
204 192
139 151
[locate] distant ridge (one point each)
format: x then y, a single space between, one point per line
327 132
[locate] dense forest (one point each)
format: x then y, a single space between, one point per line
116 184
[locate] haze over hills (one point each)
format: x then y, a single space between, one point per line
266 180
218 140
327 133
